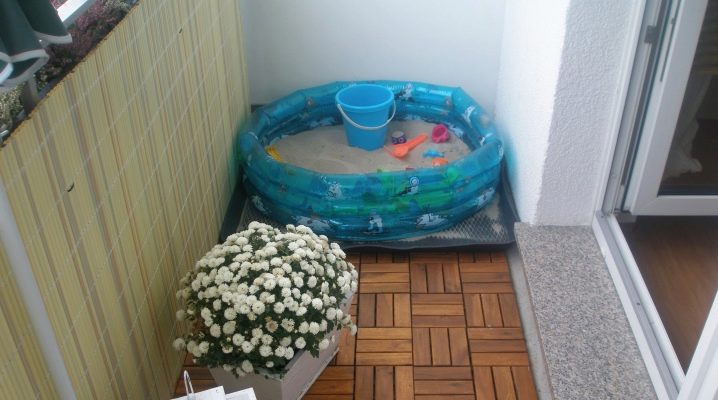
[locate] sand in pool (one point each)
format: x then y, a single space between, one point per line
325 150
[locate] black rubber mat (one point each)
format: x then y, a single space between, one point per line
490 228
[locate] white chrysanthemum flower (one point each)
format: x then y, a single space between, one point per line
293 246
306 299
217 304
285 341
280 351
301 311
179 344
323 325
237 339
227 367
241 241
247 248
266 339
300 343
286 292
244 309
331 313
181 314
312 281
206 313
257 332
258 307
229 327
303 327
247 347
203 347
247 367
265 351
215 330
270 250
289 353
317 303
272 326
230 314
269 364
313 328
323 344
298 282
288 324
279 308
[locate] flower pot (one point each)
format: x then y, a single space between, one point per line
302 371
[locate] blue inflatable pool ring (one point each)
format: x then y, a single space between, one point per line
372 206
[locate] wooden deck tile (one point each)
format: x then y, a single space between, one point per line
474 310
480 267
402 310
384 345
422 346
418 279
384 277
384 257
367 308
337 374
364 383
482 256
384 333
435 278
459 346
347 343
442 373
486 277
498 346
385 267
495 333
437 309
436 299
500 359
332 387
466 257
484 383
433 256
504 383
391 287
385 310
492 311
452 280
436 321
509 310
443 387
384 382
524 383
440 351
500 287
404 382
386 359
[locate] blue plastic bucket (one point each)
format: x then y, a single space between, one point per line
365 111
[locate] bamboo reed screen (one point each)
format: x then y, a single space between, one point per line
119 181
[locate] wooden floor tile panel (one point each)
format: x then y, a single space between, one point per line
431 325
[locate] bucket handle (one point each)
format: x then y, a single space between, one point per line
367 128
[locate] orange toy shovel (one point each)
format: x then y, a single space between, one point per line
401 150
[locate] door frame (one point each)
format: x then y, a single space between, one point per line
659 123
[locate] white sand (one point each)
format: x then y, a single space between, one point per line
325 150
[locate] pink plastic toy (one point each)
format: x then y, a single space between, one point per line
440 134
401 150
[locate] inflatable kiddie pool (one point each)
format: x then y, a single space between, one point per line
372 206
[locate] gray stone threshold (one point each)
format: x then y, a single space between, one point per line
579 339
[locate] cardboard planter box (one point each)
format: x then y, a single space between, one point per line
302 371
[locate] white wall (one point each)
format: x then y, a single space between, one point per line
529 69
295 44
559 94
